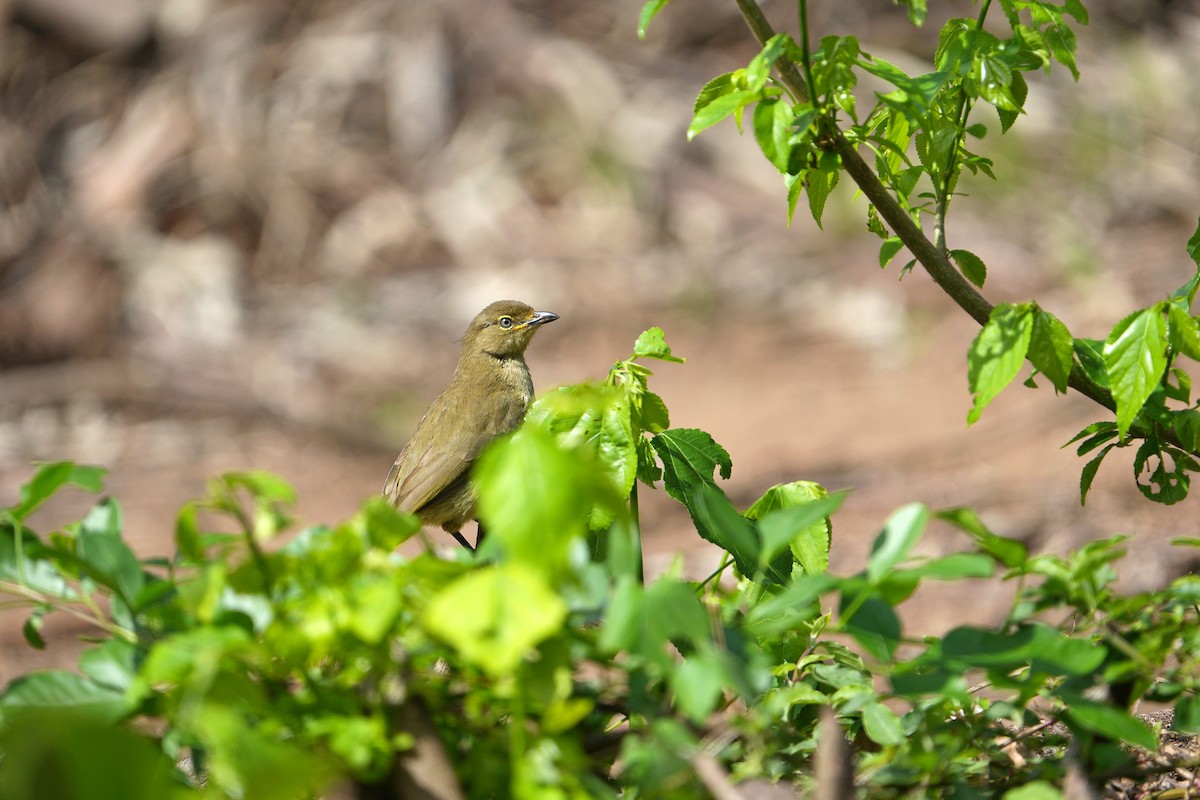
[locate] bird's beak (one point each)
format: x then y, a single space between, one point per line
541 318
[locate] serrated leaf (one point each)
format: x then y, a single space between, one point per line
652 343
1167 481
1051 348
820 184
972 266
689 458
1135 357
1089 473
997 354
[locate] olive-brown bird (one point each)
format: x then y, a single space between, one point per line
486 398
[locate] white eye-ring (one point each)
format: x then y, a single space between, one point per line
506 322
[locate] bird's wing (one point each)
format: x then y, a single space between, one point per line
425 467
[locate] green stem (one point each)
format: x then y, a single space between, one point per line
933 260
725 562
635 518
805 56
945 190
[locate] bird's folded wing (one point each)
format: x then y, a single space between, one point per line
426 468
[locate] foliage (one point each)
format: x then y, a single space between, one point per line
545 666
810 122
261 662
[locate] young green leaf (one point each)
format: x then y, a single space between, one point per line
652 343
48 479
649 11
897 538
1193 248
1012 553
1051 348
773 130
997 353
882 725
1135 356
689 458
494 617
1183 331
106 557
888 250
972 266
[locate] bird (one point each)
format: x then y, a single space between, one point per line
486 398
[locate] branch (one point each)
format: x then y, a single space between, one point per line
935 262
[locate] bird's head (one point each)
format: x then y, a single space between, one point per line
504 328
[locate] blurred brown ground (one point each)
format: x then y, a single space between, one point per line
247 234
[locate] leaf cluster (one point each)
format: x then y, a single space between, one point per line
546 666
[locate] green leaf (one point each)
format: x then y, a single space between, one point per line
689 458
110 664
698 685
105 555
722 106
952 567
796 515
902 530
641 620
1009 552
1034 790
882 725
720 523
49 478
888 250
1107 720
1193 246
1135 356
1183 331
874 625
1038 645
1185 295
535 496
652 343
773 130
1168 481
820 183
1186 424
1187 715
597 419
56 689
1051 349
66 754
1090 353
997 354
494 617
649 11
972 266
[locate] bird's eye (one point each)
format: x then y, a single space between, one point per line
506 322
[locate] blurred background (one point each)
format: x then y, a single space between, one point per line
245 234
